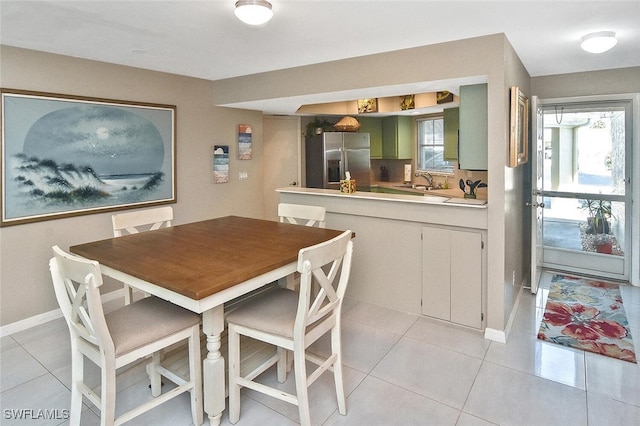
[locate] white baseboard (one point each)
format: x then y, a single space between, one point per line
514 310
496 335
27 323
501 335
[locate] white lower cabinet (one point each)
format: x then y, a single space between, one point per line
452 275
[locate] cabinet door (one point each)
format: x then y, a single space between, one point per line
466 278
373 126
451 126
452 275
436 273
397 137
406 141
389 137
473 142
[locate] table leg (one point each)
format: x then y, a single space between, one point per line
213 365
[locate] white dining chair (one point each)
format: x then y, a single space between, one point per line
139 221
300 214
135 331
292 321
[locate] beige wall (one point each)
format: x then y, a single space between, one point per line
474 57
490 57
200 125
25 283
616 81
25 288
517 217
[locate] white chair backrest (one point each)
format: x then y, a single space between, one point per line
133 222
76 282
327 264
299 214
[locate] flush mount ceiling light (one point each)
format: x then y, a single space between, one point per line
599 42
253 12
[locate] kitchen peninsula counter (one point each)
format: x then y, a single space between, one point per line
453 211
412 253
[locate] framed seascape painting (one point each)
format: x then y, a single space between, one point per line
65 156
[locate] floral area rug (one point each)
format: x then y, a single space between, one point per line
589 315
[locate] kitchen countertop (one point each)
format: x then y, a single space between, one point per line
432 197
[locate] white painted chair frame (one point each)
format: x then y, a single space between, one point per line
137 221
300 214
313 317
76 283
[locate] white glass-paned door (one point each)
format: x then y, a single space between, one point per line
586 187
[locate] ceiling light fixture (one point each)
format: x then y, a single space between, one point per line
253 12
599 42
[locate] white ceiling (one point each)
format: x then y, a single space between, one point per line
203 39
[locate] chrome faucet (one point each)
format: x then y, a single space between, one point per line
427 176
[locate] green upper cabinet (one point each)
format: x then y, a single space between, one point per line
373 126
397 138
473 141
451 127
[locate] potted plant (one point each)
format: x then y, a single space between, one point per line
599 215
603 243
317 127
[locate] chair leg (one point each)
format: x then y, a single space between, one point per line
234 372
128 295
291 282
154 376
282 364
108 394
336 348
77 376
300 368
195 375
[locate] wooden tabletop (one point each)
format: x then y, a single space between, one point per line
202 258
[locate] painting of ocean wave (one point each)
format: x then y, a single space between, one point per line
64 157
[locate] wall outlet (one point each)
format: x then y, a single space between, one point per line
243 175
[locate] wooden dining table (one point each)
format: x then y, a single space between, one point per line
202 265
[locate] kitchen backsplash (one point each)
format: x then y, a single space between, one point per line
395 169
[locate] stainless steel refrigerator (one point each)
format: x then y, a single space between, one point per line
330 155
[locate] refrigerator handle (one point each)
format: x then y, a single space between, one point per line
344 164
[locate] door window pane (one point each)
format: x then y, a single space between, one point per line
584 151
587 225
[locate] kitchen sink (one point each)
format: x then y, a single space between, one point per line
414 186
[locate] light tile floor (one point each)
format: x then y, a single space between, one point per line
401 369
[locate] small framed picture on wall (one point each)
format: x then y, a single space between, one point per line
221 163
244 142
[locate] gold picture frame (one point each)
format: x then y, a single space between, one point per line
519 128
